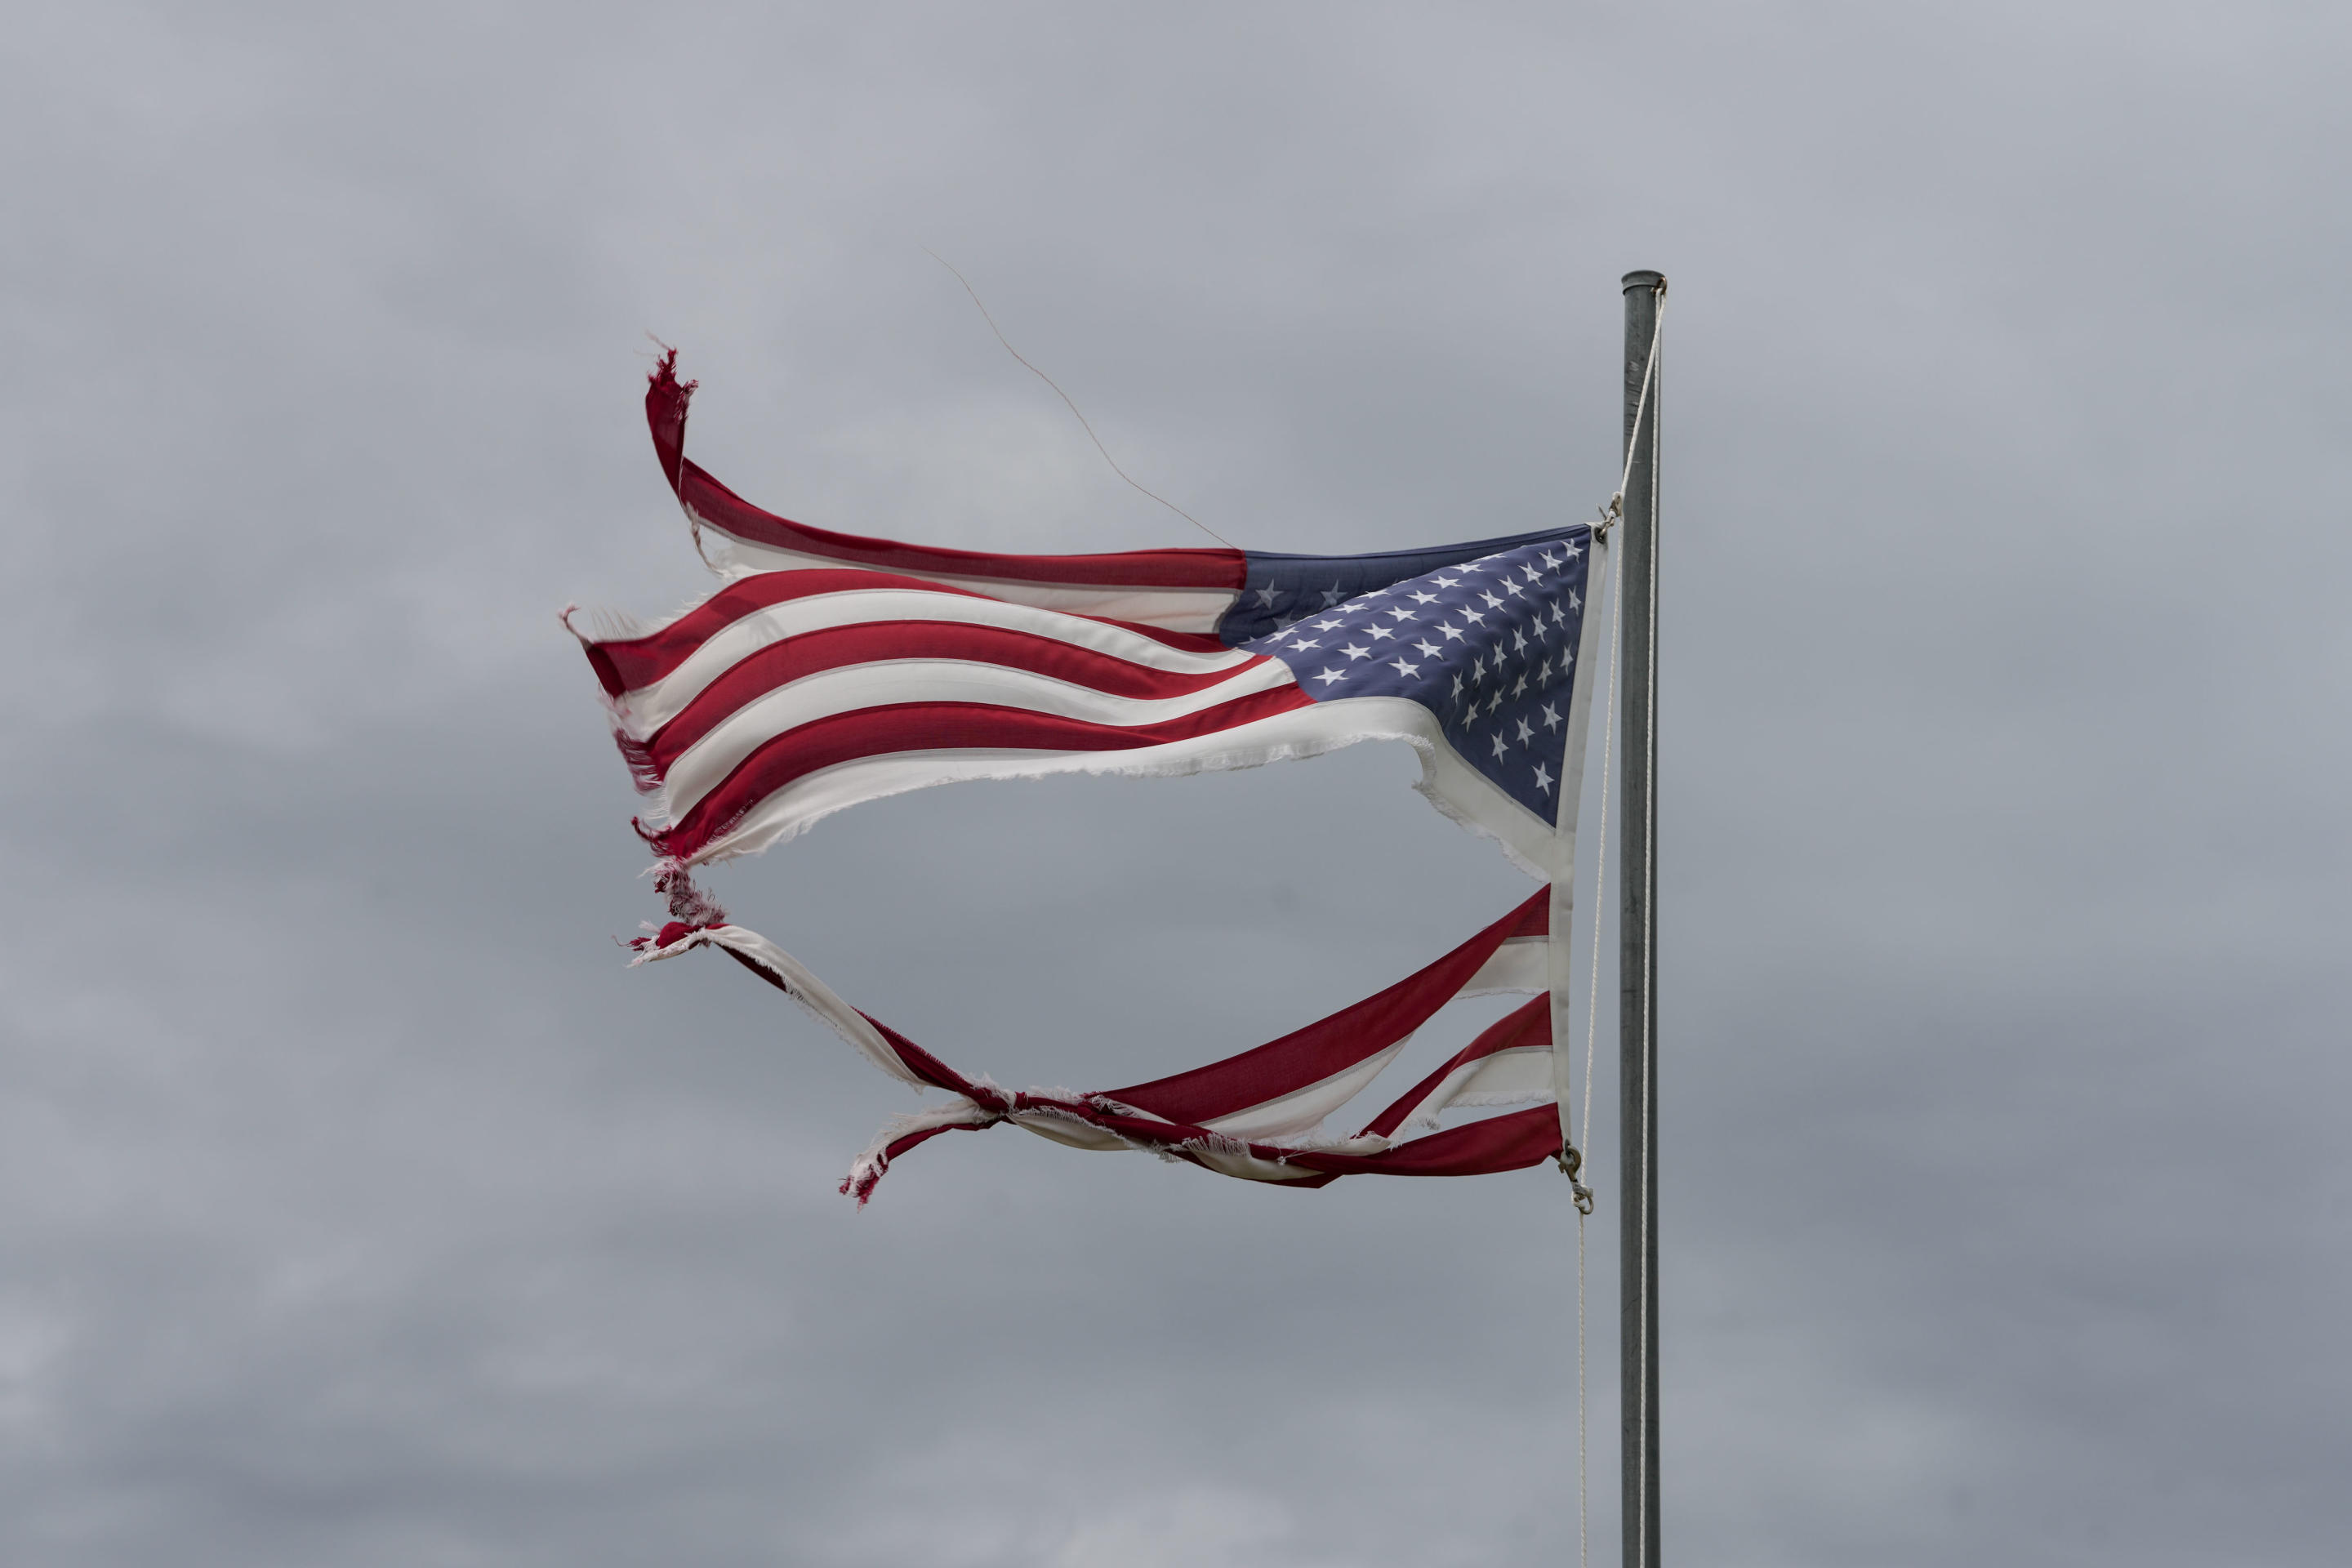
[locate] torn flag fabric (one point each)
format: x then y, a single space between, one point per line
831 670
1258 1115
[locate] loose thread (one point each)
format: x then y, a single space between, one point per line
1083 422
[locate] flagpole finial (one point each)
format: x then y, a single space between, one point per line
1642 279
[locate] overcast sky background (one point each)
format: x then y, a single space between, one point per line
357 1206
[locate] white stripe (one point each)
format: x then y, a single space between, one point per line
1173 609
1519 1075
704 765
1070 1131
1517 965
648 708
1451 783
1302 1110
1250 1168
803 988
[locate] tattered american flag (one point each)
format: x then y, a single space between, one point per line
830 669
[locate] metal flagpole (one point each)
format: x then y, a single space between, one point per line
1637 965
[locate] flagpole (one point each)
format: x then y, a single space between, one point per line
1637 968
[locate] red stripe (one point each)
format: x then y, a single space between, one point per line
630 664
937 726
666 405
1512 1142
861 1187
1330 1046
921 1063
1522 1027
840 647
730 513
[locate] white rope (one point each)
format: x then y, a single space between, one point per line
1616 507
1609 516
1591 1034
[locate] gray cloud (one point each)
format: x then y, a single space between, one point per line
361 1209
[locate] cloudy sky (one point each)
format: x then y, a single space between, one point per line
357 1206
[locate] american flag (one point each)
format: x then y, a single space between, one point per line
831 670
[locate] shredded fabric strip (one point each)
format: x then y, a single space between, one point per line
1257 1115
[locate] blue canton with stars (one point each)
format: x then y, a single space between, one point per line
1488 646
1280 589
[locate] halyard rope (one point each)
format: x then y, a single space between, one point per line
1616 507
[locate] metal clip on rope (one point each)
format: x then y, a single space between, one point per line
1571 1161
